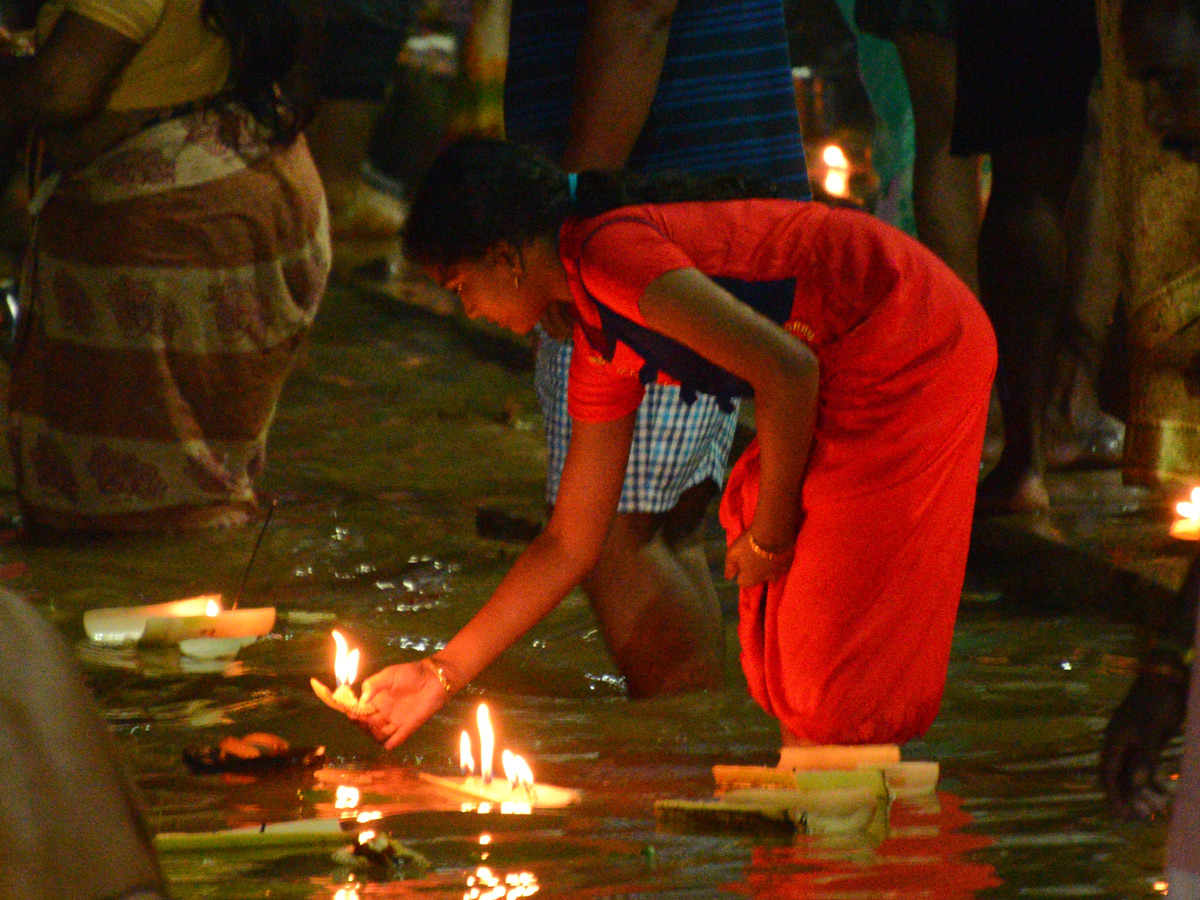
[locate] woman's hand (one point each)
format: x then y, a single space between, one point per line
398 700
749 565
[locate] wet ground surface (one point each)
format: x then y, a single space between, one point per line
396 427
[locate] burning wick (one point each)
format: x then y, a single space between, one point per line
517 771
466 760
345 669
487 743
1187 527
510 772
345 664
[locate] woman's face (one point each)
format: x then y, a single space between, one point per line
500 288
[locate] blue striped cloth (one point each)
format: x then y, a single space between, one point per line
725 101
725 104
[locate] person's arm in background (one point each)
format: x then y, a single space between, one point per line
616 75
70 76
1152 712
620 59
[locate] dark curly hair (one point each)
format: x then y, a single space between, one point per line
481 191
273 45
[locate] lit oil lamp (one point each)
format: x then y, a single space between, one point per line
345 669
199 623
517 792
1187 526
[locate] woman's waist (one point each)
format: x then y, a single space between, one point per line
74 147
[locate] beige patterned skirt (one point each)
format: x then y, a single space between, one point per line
170 285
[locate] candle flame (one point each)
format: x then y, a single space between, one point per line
1190 509
345 664
487 743
364 836
835 157
346 797
523 774
506 763
212 608
465 760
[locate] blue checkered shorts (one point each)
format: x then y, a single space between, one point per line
676 445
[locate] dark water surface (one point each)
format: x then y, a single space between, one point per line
394 429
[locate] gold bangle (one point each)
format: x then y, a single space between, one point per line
439 672
763 552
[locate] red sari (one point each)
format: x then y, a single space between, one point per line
852 645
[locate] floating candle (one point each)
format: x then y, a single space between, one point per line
1187 526
167 624
517 791
345 669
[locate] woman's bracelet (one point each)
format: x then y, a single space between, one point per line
763 553
438 670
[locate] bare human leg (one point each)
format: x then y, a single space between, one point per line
1025 287
338 137
653 595
946 189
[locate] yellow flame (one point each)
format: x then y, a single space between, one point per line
1190 509
835 157
364 836
345 664
506 763
465 760
836 183
522 774
346 797
487 742
212 608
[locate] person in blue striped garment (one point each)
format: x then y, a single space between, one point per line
699 86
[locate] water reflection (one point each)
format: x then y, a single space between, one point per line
921 851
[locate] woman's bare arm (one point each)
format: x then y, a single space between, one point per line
70 77
686 305
399 699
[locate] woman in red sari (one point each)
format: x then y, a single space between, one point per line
870 364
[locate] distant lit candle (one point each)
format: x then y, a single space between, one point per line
1187 527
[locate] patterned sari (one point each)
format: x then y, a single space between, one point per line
170 285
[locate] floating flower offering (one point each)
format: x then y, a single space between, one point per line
516 792
1187 526
200 625
345 669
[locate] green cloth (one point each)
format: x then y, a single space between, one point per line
894 144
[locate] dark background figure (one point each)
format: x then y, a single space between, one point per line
1161 41
354 74
1024 72
946 189
70 823
701 86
